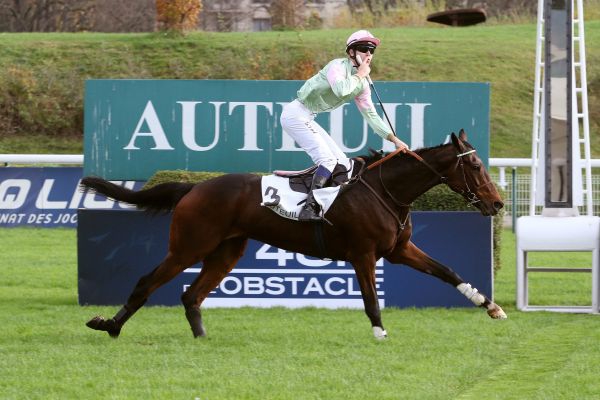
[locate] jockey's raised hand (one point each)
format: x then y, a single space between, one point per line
364 69
397 142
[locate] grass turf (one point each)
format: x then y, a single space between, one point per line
47 352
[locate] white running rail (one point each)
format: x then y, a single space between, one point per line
41 159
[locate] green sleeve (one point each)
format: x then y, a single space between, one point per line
376 123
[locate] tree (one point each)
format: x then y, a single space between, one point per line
125 16
178 15
77 15
47 15
287 14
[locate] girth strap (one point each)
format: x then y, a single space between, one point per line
320 240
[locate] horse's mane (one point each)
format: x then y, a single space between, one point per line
378 155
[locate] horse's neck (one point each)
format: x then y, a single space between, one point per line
416 178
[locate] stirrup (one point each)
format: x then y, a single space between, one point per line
309 213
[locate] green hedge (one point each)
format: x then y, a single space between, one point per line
439 198
179 176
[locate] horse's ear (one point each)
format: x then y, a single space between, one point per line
456 141
462 135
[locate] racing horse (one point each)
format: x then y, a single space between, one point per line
213 220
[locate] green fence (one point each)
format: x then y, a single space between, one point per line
134 128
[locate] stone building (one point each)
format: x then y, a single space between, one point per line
258 15
255 15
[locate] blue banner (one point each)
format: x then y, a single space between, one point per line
115 249
48 197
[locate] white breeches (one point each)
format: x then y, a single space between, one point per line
299 123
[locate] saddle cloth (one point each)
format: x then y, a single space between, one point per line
286 195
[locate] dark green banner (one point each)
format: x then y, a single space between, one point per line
134 128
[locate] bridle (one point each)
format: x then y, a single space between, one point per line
467 194
470 197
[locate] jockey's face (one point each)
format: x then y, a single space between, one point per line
365 51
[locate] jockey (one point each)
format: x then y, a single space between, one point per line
339 81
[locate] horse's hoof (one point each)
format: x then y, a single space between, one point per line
194 317
496 312
98 323
114 333
379 333
199 334
95 322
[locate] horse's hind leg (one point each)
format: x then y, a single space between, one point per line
414 257
214 268
167 270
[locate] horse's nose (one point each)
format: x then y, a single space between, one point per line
498 205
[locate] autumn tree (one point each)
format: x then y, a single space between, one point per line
178 15
287 14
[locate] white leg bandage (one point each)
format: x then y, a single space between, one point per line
379 333
471 293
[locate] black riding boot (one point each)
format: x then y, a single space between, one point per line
310 211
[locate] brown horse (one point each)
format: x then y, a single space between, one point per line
213 220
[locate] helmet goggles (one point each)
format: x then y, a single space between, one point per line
365 48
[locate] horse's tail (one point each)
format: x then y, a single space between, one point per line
162 197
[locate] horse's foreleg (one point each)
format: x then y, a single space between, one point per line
414 257
166 271
214 268
365 273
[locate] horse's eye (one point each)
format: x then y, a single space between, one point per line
476 167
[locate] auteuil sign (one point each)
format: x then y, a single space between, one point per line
136 127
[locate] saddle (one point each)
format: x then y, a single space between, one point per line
284 192
300 181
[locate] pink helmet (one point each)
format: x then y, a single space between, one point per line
361 36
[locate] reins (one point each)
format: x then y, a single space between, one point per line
384 159
443 179
385 205
469 195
